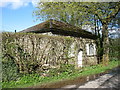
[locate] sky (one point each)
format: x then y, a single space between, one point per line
17 15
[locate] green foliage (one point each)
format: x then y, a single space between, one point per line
68 12
83 13
64 68
36 79
53 72
115 48
67 68
16 60
27 62
9 71
9 67
13 78
76 13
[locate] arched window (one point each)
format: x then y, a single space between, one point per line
91 50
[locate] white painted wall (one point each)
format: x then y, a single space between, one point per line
87 48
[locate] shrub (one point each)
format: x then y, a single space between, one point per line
67 68
9 71
64 68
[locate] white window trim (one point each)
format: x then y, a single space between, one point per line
87 49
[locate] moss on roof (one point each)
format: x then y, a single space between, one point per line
61 28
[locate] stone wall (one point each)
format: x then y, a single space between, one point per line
36 52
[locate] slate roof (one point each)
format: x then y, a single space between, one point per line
60 28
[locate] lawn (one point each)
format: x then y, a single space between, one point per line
35 79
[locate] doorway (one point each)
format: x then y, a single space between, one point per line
80 58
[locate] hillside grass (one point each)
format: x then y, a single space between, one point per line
35 79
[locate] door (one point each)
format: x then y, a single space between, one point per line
80 58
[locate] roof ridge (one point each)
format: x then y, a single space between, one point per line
60 27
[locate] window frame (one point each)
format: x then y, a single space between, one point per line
88 49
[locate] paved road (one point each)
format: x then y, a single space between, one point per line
113 82
110 80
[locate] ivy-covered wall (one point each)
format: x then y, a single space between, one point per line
36 52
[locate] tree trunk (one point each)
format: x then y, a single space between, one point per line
105 57
99 42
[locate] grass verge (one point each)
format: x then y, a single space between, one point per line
36 79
